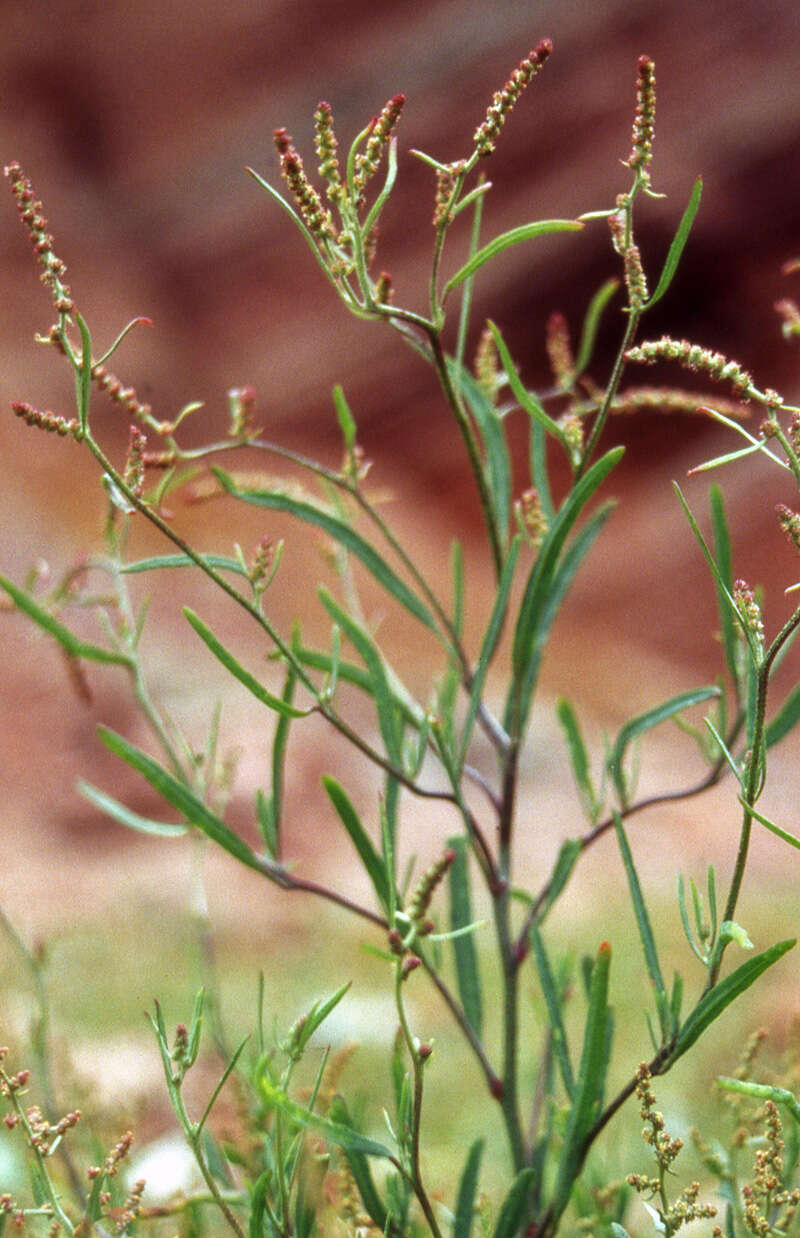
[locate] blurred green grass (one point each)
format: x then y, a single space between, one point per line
102 975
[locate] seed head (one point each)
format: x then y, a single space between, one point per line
504 100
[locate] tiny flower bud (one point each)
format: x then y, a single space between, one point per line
790 523
381 130
504 100
241 403
411 963
421 898
326 145
693 357
487 365
644 122
314 216
559 348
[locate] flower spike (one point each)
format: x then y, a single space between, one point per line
504 100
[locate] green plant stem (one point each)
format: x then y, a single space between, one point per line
751 787
417 1068
43 1177
473 453
600 420
509 1096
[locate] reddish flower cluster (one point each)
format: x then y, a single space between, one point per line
503 100
32 215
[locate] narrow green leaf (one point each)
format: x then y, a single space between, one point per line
524 232
490 641
537 458
126 816
492 432
385 703
566 859
553 1002
722 555
579 759
590 1082
526 399
640 910
457 565
342 533
346 420
761 1091
678 242
67 640
315 1017
279 744
791 839
591 323
785 719
373 864
515 1205
179 795
645 722
236 669
410 709
336 1132
469 982
467 1189
360 1169
220 562
712 1004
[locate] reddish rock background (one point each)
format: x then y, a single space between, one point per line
135 123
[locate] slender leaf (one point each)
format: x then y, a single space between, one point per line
722 555
761 1091
678 242
224 655
526 399
457 565
126 816
591 323
566 859
336 1132
785 719
70 643
712 1004
362 1174
645 722
579 759
490 641
410 709
553 1002
467 1189
498 464
791 839
590 1082
342 533
524 232
640 910
515 1205
381 691
469 983
373 864
179 795
221 563
347 423
537 454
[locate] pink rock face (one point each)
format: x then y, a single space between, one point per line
135 126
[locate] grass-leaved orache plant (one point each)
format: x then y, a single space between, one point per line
537 541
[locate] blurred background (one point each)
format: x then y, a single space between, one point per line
135 123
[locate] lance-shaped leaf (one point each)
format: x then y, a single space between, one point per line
125 816
373 864
785 720
678 242
526 399
224 655
712 1004
590 1082
791 839
643 922
490 426
515 1205
179 795
490 641
469 983
362 1174
591 323
524 232
467 1189
341 532
221 563
336 1132
553 1001
722 554
70 643
380 687
578 757
645 722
